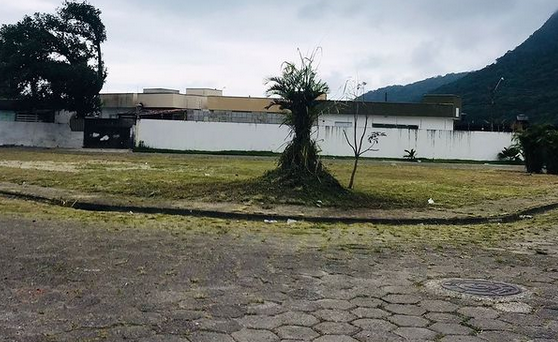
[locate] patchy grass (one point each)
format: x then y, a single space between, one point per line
238 179
527 235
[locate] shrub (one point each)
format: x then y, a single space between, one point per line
539 146
510 154
411 154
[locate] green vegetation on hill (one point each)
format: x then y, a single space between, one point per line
411 92
530 84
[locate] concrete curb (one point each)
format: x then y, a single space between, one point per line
95 206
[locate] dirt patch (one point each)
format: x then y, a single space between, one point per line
41 165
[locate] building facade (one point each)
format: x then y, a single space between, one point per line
437 112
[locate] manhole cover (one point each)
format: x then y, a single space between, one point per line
484 288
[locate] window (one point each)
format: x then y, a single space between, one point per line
395 126
41 116
7 115
343 124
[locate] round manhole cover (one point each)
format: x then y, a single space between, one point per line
484 288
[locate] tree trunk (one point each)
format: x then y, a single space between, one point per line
352 181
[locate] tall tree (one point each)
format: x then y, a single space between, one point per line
55 60
298 90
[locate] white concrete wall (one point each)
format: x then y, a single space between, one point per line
431 144
38 134
211 136
217 136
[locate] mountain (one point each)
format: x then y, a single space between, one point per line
529 85
411 92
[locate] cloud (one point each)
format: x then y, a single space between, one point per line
237 44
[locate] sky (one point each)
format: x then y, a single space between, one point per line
236 45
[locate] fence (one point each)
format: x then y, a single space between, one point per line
219 136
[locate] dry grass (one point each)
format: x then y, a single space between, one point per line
220 178
527 235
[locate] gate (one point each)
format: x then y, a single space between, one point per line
108 133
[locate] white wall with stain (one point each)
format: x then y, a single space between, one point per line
38 134
221 136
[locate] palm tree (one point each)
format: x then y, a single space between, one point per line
298 90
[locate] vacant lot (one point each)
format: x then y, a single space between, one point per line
69 275
384 184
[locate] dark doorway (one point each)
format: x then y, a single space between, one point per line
108 133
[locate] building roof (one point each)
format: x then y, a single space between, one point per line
390 109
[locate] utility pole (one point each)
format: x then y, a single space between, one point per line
493 102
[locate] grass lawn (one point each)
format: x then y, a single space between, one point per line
231 178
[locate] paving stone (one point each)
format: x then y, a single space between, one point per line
553 325
296 333
378 336
210 337
438 306
334 328
411 310
334 315
548 313
267 308
222 326
409 321
520 319
187 315
175 327
164 338
401 299
478 312
489 324
537 331
513 307
259 322
130 333
374 324
370 313
252 335
345 294
461 338
301 305
296 318
443 317
451 329
227 311
335 304
370 290
420 334
367 302
391 289
335 338
506 336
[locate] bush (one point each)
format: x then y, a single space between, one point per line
539 146
510 154
552 152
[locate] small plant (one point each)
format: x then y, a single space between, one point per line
510 154
355 91
411 154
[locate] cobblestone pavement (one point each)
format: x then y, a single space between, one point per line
71 281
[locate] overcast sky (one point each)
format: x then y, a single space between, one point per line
235 45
